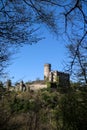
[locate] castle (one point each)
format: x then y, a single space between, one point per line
62 78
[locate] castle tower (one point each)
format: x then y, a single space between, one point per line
47 69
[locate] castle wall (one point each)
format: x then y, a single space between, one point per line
55 75
37 86
51 76
64 79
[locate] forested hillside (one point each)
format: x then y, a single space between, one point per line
47 109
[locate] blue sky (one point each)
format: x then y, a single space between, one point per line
28 64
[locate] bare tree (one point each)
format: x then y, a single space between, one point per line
19 25
78 61
21 20
4 56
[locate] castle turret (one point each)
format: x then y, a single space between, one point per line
47 69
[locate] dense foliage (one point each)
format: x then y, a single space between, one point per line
44 110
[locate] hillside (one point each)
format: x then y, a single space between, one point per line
46 109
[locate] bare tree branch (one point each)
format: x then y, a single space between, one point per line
20 21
